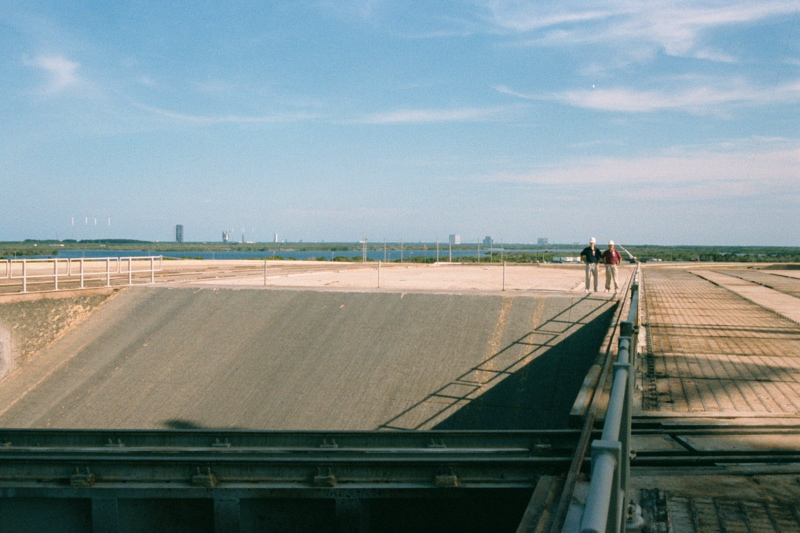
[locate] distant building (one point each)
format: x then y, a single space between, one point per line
487 241
455 239
179 233
226 235
542 240
276 238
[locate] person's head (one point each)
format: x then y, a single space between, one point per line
592 241
610 244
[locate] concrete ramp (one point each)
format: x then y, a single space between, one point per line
155 358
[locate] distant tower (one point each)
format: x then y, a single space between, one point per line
276 238
226 235
542 240
487 241
179 233
455 239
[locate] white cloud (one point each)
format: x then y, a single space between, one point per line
678 28
679 174
701 99
62 72
236 119
421 116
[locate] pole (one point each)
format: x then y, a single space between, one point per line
504 276
265 272
379 274
55 274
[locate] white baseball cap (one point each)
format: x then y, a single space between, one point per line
592 240
611 243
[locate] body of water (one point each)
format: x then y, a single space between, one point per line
373 255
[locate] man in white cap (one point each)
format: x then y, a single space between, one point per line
591 256
611 258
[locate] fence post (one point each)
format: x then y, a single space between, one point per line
24 276
379 274
55 274
81 272
152 270
504 275
130 271
108 271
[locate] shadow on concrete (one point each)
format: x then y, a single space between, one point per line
177 423
533 389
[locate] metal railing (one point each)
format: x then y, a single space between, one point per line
76 273
608 497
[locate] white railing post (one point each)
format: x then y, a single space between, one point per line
24 276
379 274
130 271
55 274
81 272
152 270
108 271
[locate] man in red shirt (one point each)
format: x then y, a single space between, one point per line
611 258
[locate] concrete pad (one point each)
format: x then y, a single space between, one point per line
440 277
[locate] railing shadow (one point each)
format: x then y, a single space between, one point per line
529 384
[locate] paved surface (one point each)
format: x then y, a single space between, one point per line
723 351
211 357
441 277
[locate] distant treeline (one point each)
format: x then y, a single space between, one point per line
510 252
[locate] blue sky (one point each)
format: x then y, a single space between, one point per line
333 120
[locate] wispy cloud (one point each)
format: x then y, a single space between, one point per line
699 99
423 116
221 119
685 174
678 28
62 73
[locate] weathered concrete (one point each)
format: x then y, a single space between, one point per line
266 359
